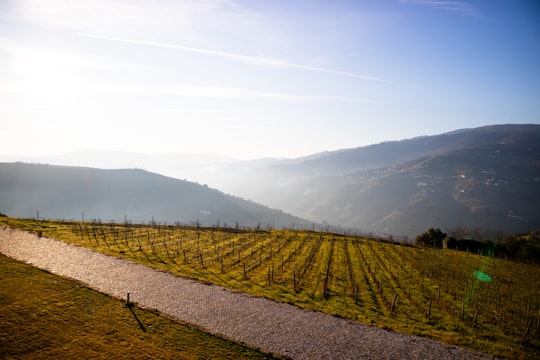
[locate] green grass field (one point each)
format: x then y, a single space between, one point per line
431 293
47 316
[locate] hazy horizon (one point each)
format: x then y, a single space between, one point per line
176 164
257 79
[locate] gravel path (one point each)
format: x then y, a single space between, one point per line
274 327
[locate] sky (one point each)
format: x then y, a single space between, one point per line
255 78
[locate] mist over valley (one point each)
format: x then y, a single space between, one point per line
485 178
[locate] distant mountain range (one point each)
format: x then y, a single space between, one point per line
62 192
486 178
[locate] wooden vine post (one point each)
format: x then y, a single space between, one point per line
394 303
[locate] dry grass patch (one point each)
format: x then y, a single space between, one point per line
47 316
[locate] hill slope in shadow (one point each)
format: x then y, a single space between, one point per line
61 192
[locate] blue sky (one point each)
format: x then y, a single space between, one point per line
251 79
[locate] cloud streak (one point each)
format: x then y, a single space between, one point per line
253 60
242 93
217 92
462 7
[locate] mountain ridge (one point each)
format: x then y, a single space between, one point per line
67 192
387 187
487 177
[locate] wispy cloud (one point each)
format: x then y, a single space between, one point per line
243 93
462 7
21 52
259 61
203 91
131 18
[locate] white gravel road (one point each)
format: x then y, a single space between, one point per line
274 327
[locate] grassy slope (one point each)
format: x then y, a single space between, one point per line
46 316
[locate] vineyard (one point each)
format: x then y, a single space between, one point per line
432 293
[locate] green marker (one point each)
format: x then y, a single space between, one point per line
482 276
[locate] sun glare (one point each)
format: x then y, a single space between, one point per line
47 77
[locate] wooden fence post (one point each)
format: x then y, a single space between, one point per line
393 303
527 331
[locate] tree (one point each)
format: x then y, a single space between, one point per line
431 238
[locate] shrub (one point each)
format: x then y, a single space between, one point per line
432 238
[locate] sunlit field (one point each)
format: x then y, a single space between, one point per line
480 302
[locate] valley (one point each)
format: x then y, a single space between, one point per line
485 178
